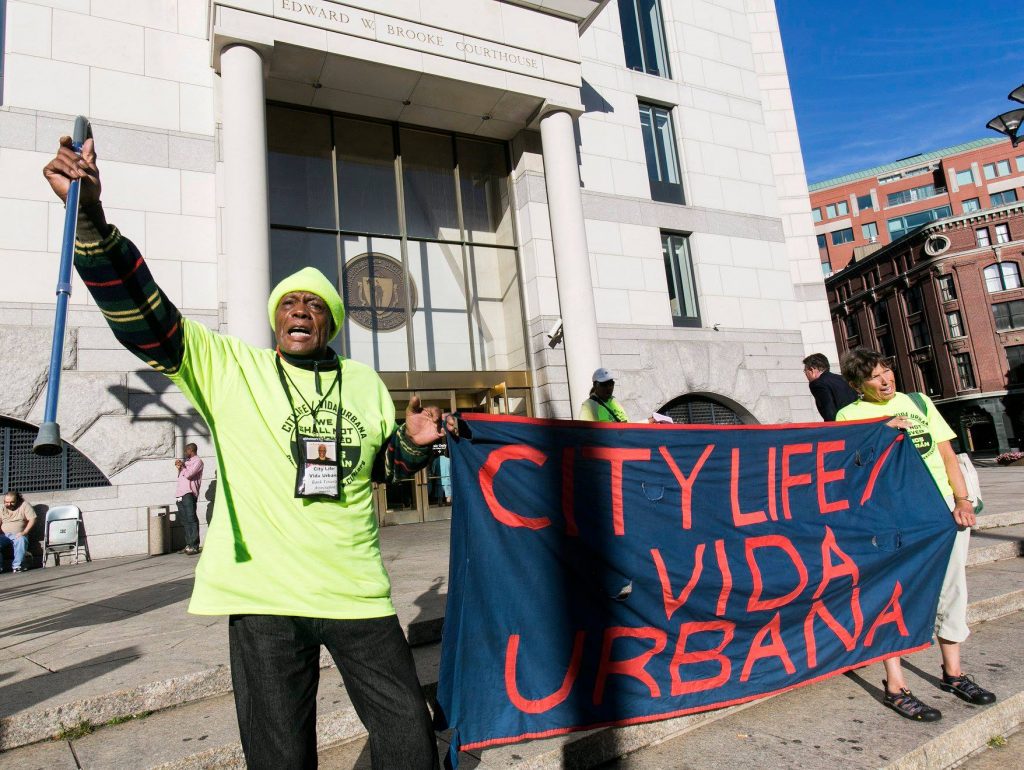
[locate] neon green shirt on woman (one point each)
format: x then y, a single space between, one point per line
267 552
926 431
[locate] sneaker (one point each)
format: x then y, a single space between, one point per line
20 569
965 688
907 705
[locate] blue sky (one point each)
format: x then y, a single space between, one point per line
874 82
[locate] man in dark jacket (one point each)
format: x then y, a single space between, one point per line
831 392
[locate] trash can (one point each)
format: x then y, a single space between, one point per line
159 517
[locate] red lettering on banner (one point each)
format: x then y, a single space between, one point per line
486 479
773 506
790 480
739 518
670 602
682 658
540 705
893 613
827 477
772 541
686 482
819 610
634 667
617 457
569 492
723 567
759 651
829 571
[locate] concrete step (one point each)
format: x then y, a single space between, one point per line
842 722
203 734
995 543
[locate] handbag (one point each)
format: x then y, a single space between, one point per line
970 473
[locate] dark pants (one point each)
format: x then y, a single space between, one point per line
275 669
189 520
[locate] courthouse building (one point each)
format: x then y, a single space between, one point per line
509 194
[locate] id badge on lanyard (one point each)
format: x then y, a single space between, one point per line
316 457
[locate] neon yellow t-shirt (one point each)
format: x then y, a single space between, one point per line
927 432
267 552
609 411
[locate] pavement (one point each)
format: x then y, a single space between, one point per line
93 644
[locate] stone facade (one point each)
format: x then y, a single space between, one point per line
141 70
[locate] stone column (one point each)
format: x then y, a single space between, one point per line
246 222
572 260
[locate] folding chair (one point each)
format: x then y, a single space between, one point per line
64 534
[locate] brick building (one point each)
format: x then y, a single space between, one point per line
946 301
858 213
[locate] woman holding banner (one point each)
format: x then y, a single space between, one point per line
870 374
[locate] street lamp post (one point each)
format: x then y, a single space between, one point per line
1009 123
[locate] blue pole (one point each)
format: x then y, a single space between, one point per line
48 441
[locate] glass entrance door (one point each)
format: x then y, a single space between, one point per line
428 495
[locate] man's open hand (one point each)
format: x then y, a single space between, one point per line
422 424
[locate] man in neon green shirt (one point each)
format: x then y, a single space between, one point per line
295 561
869 373
601 405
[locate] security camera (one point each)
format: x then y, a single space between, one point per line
555 334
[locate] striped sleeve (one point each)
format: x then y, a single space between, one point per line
141 316
399 458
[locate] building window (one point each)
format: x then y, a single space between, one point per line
821 241
870 231
1009 315
1003 233
842 236
643 36
914 194
826 268
864 202
890 178
997 169
700 410
947 288
1015 362
24 471
955 324
1020 163
682 292
880 313
971 205
816 215
900 226
451 254
930 378
1007 196
913 299
662 158
840 209
964 178
919 336
982 237
852 330
1002 276
964 371
885 346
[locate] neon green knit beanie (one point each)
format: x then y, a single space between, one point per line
312 280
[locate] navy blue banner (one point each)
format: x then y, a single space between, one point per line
613 574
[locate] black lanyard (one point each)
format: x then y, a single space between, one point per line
603 405
286 379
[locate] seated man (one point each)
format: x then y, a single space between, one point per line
18 517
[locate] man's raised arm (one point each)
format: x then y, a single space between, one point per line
141 316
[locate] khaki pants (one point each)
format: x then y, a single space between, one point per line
951 617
